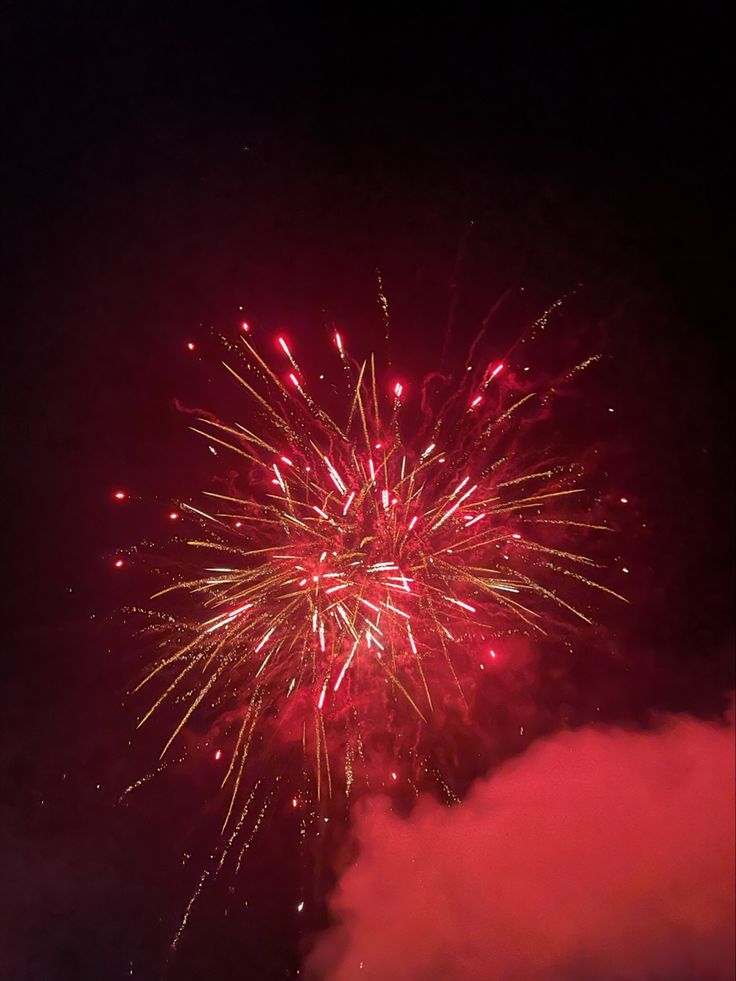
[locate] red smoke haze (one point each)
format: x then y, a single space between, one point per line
598 854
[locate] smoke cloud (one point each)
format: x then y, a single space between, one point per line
598 854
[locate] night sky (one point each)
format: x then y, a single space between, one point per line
163 170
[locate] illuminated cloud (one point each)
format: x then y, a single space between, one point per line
598 854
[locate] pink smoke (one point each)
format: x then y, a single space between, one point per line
599 854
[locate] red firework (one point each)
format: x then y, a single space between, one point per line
344 598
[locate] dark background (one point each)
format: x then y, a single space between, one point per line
163 168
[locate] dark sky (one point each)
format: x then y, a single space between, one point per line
160 169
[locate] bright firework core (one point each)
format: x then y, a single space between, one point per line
354 590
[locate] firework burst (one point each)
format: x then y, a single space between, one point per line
344 594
